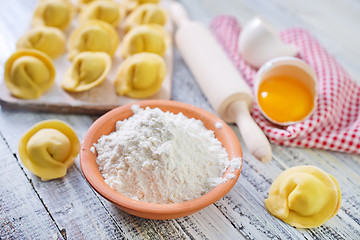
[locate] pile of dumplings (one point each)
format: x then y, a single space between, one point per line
90 47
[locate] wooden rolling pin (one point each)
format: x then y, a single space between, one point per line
218 78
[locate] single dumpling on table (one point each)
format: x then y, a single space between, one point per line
93 36
53 13
29 73
145 38
49 40
140 75
133 4
107 11
148 13
304 197
88 70
48 149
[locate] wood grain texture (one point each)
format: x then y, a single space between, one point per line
69 208
22 214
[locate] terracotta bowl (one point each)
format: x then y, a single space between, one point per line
106 124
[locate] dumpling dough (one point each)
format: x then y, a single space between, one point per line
53 13
133 4
107 11
88 70
82 2
29 73
48 149
94 36
48 40
146 14
145 38
86 1
304 197
140 76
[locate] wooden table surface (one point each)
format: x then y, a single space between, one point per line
68 208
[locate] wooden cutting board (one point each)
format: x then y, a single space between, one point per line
94 101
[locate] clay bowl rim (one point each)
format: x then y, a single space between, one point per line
106 124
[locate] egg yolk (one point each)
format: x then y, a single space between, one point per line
285 99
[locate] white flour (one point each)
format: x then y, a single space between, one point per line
161 157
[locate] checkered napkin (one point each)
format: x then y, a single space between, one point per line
335 124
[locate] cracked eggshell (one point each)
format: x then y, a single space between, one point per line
292 67
258 43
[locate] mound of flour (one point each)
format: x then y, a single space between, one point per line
161 157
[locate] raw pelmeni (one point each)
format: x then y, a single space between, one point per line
161 157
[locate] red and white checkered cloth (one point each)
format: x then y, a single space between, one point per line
335 124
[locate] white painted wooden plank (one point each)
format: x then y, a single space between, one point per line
75 208
141 228
259 176
22 213
348 179
61 206
245 208
244 205
70 200
209 222
247 196
65 200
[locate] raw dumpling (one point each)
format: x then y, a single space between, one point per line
48 149
82 2
86 1
145 38
94 36
107 11
53 13
146 14
140 75
29 73
132 4
88 70
48 40
304 197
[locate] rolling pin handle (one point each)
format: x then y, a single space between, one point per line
253 136
179 14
